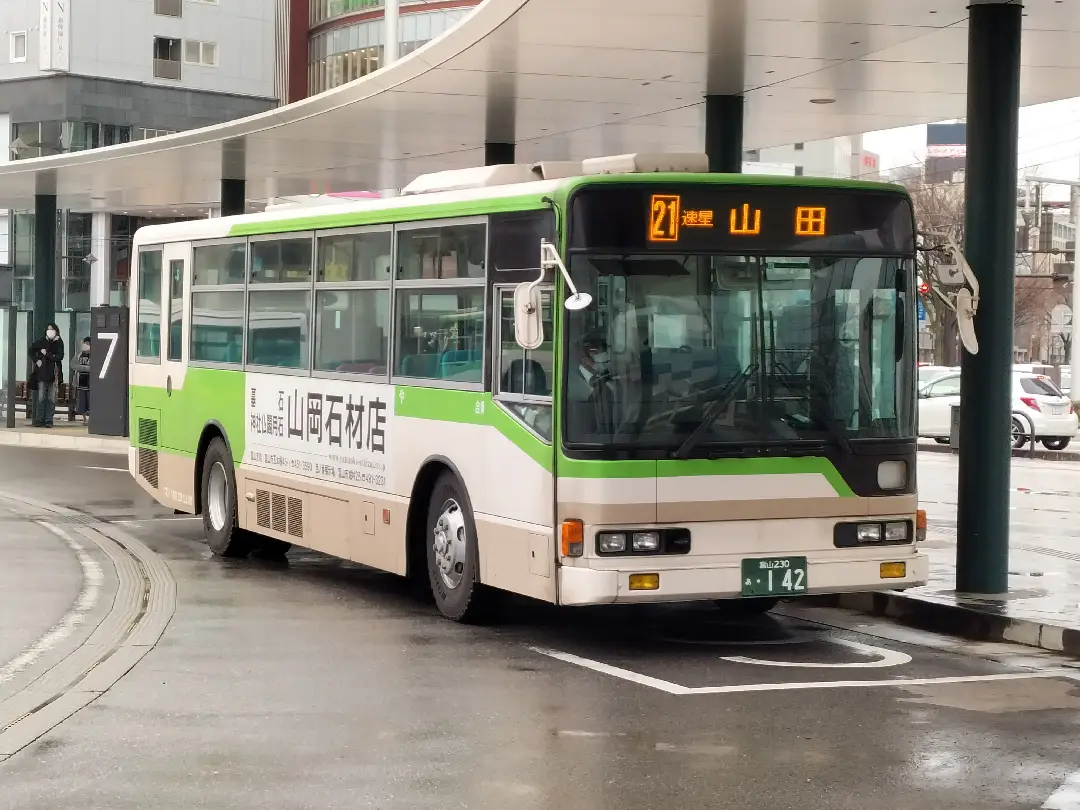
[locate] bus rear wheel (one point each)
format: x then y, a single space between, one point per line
223 535
453 555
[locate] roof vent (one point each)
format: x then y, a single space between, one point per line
558 169
642 163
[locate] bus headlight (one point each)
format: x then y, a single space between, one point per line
611 542
896 532
646 541
868 532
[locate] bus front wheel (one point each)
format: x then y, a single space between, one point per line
453 556
223 535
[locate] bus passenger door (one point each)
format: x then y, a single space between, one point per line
175 466
519 553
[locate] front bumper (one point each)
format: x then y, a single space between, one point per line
589 586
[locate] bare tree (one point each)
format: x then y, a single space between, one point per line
939 207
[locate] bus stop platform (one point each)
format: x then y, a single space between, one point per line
1042 608
63 436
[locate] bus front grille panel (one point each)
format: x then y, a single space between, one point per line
262 508
278 516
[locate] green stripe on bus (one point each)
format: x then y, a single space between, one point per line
671 468
469 408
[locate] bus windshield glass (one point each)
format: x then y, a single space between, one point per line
705 354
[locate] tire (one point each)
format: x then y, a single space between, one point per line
218 484
1019 434
747 607
453 555
1056 444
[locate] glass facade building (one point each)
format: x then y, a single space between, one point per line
342 53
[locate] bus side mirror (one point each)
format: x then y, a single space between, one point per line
528 321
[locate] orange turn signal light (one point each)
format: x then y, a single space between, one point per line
573 538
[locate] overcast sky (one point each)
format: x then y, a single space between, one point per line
1049 143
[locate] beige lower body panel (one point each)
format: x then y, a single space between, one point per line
172 482
825 574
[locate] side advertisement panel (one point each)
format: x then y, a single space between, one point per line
331 430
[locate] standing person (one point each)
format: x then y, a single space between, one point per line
81 380
47 360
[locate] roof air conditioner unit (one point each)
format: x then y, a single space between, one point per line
645 163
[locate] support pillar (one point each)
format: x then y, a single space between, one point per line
101 250
233 197
391 13
496 154
993 114
724 133
44 262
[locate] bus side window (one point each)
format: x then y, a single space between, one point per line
523 379
148 330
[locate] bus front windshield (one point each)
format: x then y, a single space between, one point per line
705 355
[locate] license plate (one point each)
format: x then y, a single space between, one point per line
774 576
1057 410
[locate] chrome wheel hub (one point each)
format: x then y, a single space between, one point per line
450 541
217 496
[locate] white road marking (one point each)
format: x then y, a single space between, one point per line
106 469
678 689
87 598
884 658
1066 797
169 519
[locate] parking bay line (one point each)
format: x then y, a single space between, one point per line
679 689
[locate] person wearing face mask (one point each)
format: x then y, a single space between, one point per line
47 362
80 379
591 388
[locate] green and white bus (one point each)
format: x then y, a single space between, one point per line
624 380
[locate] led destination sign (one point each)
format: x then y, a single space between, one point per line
740 219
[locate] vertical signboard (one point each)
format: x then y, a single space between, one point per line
54 48
109 371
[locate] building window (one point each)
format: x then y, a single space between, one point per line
169 8
200 53
166 58
142 133
18 46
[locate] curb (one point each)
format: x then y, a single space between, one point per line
1043 455
87 444
959 620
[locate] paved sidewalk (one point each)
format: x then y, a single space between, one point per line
1042 608
1071 453
63 436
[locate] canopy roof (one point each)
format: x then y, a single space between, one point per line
570 79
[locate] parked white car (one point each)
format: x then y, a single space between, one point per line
1033 395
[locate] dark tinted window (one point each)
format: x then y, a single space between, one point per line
515 239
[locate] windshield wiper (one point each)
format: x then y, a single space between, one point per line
713 410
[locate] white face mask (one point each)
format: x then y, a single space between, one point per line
50 334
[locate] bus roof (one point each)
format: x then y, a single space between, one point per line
480 200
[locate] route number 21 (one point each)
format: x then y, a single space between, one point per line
664 218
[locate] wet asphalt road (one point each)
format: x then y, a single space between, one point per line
318 684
